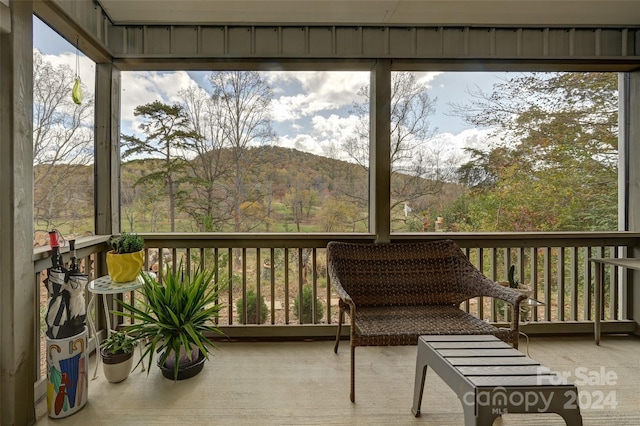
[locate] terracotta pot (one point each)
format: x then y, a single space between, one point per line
116 367
124 267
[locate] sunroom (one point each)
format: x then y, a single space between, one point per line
380 40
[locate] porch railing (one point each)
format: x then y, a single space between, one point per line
281 267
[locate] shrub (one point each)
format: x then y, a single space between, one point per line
307 306
252 308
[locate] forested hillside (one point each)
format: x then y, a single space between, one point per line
289 191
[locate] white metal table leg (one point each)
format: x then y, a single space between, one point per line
92 327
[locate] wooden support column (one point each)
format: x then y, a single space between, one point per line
380 151
17 289
107 165
629 173
107 149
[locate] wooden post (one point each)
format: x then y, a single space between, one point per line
380 151
17 288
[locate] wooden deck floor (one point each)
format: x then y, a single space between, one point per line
305 383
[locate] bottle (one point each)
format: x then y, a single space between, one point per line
73 264
56 257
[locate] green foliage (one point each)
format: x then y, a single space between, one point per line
555 165
307 306
118 342
167 129
174 313
252 308
126 243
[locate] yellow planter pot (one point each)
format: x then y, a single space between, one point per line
124 267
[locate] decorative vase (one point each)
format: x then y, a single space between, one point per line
67 378
124 267
116 367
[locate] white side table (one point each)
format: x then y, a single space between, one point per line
105 286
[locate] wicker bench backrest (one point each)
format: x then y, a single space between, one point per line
401 274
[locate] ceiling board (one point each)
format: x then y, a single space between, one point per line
387 12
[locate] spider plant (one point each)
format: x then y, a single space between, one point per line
176 312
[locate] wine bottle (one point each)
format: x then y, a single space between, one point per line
56 257
73 265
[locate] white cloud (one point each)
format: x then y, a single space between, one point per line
287 108
326 135
427 77
301 142
469 138
335 126
140 88
316 91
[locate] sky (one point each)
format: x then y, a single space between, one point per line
310 109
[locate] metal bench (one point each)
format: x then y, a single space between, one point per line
491 378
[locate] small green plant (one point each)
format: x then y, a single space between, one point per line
118 342
307 306
513 282
252 308
126 243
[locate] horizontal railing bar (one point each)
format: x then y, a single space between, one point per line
319 240
328 331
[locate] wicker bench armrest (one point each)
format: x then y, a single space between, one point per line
507 294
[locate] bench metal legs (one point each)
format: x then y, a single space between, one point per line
418 390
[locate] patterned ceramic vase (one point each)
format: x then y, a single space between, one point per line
67 378
124 267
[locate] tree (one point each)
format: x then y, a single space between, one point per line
62 145
233 120
338 216
299 200
243 99
419 166
209 199
166 128
553 162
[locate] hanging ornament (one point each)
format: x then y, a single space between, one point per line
76 92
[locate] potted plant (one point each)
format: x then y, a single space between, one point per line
176 310
125 259
117 356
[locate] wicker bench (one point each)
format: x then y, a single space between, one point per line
396 292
